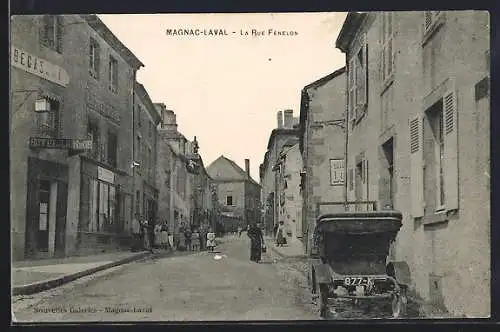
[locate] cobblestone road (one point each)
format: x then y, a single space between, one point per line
188 287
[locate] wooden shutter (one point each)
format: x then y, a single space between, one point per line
428 19
416 166
365 58
352 90
43 30
450 150
59 33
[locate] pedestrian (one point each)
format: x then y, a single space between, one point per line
195 238
203 237
210 240
164 235
135 230
157 235
280 235
256 242
187 234
240 229
148 235
275 230
181 243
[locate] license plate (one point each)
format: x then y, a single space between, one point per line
356 281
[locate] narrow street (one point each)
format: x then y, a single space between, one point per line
180 288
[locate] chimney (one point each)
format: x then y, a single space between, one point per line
247 167
288 119
169 120
280 120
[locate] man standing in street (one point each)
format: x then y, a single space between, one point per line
136 233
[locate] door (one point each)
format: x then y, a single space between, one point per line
44 216
60 231
358 182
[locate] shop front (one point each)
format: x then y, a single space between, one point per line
46 209
105 209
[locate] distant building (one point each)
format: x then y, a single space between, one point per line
323 147
173 179
418 142
146 120
71 80
268 177
288 168
238 194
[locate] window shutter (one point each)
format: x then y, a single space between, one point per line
428 19
416 166
59 33
450 150
352 96
365 58
43 30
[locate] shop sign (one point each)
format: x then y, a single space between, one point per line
337 169
105 175
38 66
60 143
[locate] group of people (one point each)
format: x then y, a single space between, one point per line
147 236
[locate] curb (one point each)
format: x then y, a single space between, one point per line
41 286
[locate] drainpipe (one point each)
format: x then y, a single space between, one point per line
346 128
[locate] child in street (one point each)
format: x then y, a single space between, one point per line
195 238
210 240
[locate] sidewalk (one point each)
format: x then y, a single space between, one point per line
293 249
34 276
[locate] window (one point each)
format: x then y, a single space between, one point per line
435 118
138 149
150 162
357 81
138 202
47 117
434 158
99 209
93 133
51 33
112 148
229 200
387 191
94 58
138 115
113 74
387 50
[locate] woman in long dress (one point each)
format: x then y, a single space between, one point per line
256 237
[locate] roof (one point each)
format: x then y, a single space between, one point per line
243 174
95 22
304 100
280 131
351 24
143 94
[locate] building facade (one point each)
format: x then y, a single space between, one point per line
323 148
146 121
289 168
72 80
418 142
175 196
285 130
238 194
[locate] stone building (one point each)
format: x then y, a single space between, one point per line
71 80
323 147
268 177
289 168
237 193
418 142
173 177
146 121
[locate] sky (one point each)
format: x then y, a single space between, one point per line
227 90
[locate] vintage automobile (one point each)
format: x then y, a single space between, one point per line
348 261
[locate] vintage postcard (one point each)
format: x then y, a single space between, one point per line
244 167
